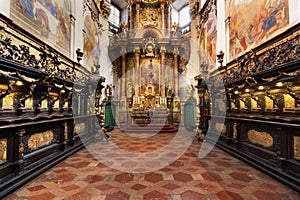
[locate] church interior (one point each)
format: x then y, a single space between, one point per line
150 99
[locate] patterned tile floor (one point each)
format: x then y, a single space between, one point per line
218 176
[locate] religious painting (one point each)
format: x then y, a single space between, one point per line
252 22
150 76
49 20
211 27
91 50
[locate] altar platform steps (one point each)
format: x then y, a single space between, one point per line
150 128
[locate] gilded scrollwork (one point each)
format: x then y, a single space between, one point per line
3 150
261 138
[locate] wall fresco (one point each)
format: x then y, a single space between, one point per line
91 52
49 20
254 21
211 27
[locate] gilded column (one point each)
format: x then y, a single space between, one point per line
123 53
162 61
137 70
137 15
176 51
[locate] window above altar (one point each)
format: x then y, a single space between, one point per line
181 15
115 15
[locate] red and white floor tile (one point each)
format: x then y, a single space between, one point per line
218 176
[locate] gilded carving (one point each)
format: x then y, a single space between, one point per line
79 128
150 16
3 150
289 102
29 103
150 1
254 103
38 140
8 102
297 147
262 138
269 103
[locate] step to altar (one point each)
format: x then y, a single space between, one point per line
150 128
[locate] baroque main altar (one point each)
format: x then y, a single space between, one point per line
148 54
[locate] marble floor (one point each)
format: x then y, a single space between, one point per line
143 173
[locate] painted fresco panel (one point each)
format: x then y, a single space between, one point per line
91 52
49 20
211 37
254 21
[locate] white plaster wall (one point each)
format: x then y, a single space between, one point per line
124 15
221 36
79 25
294 8
105 63
5 7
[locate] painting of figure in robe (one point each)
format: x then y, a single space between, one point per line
150 75
252 22
49 20
91 52
211 38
